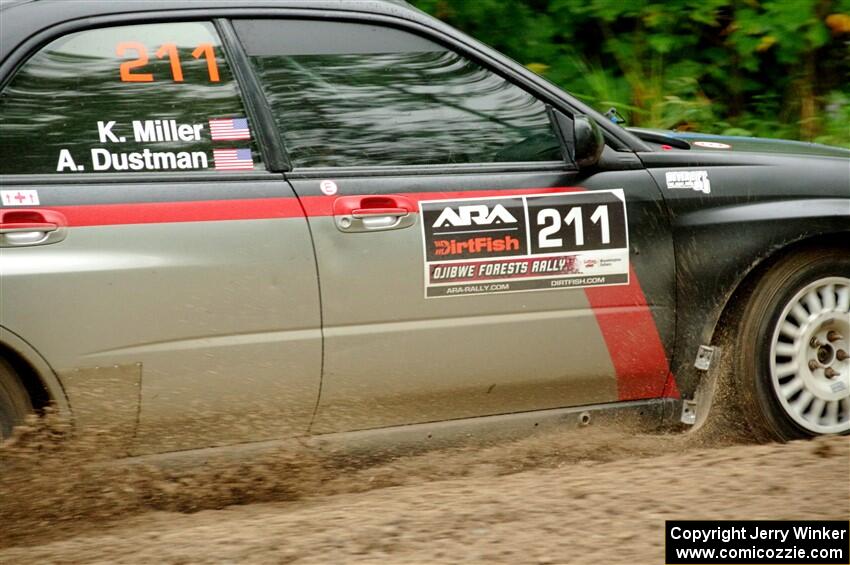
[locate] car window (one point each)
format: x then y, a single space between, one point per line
346 94
154 97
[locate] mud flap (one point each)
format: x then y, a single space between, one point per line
704 400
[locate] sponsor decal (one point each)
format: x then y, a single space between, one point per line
524 243
453 247
328 187
19 197
690 180
712 145
477 214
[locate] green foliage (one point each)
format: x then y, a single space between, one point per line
778 68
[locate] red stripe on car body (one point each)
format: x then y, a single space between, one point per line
174 212
632 338
671 390
86 215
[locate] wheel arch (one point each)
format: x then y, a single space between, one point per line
37 376
731 307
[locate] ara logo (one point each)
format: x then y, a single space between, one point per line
478 214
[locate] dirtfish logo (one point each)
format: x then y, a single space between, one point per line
478 214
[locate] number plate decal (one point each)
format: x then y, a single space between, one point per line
525 243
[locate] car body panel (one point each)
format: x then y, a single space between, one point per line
734 143
758 205
393 356
201 305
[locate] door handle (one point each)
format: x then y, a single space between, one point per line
373 213
19 228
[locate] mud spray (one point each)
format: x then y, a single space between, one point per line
60 493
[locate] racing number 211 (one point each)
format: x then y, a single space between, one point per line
551 219
169 50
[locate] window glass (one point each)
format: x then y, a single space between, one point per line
347 94
157 97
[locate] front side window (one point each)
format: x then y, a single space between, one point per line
346 94
140 98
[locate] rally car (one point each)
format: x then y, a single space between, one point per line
331 216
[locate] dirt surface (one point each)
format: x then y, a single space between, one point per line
581 497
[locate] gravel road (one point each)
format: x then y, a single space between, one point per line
590 497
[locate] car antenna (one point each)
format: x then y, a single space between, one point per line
615 116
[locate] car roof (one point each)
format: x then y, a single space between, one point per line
20 19
111 6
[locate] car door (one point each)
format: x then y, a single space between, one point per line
148 256
465 268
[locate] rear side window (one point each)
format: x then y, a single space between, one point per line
346 94
141 98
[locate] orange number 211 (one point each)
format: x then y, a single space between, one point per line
166 50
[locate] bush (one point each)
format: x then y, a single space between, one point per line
775 68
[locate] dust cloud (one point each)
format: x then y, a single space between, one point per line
587 495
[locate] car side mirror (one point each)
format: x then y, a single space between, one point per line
589 141
581 138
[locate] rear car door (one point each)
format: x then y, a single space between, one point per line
147 255
465 268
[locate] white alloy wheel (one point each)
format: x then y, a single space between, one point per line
810 357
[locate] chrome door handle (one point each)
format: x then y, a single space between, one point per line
374 222
379 212
20 228
27 228
373 213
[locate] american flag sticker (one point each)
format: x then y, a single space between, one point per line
229 129
233 160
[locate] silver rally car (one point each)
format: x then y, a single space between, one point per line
224 222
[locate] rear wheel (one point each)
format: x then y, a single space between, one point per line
792 355
14 400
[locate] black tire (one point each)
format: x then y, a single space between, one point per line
772 414
14 401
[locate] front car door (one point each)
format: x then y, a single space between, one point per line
465 268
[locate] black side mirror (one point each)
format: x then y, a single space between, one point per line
581 138
589 141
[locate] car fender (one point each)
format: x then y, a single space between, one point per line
40 367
